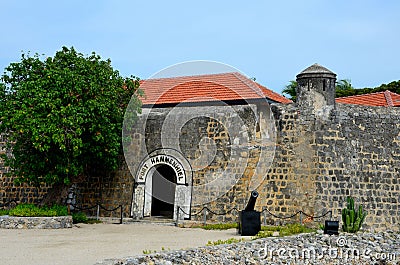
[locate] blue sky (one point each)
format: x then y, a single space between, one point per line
269 40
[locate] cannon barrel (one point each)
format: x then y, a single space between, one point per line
252 201
249 219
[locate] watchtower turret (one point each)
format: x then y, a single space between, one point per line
316 87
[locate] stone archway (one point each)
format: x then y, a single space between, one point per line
163 182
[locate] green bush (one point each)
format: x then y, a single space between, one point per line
31 210
59 209
79 217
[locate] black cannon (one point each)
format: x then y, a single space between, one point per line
249 219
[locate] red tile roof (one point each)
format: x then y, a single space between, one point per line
205 88
386 99
272 95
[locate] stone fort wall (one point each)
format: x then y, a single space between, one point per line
319 160
317 164
11 192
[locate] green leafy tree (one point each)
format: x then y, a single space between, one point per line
290 90
393 86
344 84
344 88
63 117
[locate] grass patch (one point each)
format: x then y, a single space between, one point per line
263 234
227 241
272 228
293 229
4 212
286 230
224 226
266 231
31 210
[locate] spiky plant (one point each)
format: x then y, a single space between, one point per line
352 218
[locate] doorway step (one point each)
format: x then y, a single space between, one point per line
162 220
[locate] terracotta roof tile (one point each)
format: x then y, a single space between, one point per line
386 99
205 88
273 95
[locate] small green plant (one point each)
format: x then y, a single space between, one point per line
148 251
352 219
263 234
221 242
321 226
79 217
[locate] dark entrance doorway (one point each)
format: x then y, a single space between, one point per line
163 194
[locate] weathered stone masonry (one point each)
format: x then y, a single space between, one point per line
319 163
9 191
324 152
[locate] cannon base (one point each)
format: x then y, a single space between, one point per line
249 223
331 227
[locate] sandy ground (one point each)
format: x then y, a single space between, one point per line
88 244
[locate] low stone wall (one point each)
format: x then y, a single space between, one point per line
14 222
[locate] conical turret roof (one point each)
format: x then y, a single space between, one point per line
316 69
